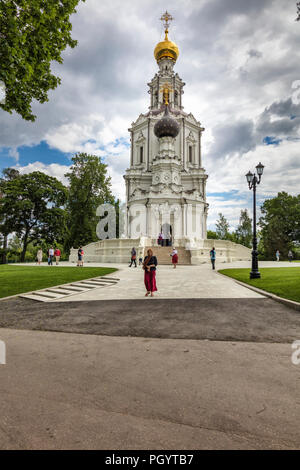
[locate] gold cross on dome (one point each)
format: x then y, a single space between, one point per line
166 19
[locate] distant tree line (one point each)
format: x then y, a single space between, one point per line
278 227
37 210
242 235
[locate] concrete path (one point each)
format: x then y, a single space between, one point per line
209 372
184 282
68 391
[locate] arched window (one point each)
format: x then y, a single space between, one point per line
141 154
190 154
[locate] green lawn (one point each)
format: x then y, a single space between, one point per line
284 282
18 279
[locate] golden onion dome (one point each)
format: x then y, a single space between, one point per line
166 49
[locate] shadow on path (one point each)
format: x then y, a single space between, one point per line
254 320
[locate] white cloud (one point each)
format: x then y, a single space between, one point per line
55 170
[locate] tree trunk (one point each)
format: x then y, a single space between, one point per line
4 249
25 243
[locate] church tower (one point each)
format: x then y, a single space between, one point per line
166 179
165 182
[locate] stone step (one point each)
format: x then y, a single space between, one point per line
83 286
36 297
163 254
66 290
109 278
72 289
60 291
48 295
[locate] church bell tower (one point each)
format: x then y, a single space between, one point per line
166 178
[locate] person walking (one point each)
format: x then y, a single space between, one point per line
50 255
277 255
57 254
174 255
39 256
80 256
290 255
133 257
149 266
212 254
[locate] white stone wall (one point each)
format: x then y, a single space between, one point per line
119 250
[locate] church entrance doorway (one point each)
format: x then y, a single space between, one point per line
166 230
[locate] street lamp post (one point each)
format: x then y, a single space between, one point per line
252 181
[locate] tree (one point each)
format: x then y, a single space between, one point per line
243 233
298 11
32 34
8 175
280 223
222 228
31 207
89 187
211 235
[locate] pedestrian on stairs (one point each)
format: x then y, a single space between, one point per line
174 255
160 239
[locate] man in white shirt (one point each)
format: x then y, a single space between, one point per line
50 255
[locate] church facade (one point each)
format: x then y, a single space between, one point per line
165 181
166 178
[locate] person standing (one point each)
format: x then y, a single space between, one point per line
160 239
80 256
277 255
290 255
39 256
212 254
174 255
57 254
50 255
133 257
149 266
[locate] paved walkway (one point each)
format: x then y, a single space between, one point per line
68 391
184 282
209 372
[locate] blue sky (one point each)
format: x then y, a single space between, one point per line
239 60
41 152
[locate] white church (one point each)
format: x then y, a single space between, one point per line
165 181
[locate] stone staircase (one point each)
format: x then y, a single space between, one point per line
73 288
162 254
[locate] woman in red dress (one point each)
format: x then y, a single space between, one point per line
174 255
149 266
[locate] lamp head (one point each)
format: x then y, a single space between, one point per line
249 177
260 169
